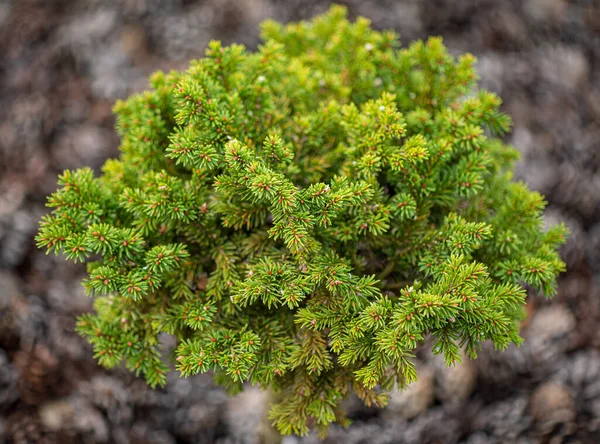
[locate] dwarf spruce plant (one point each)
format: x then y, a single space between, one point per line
302 217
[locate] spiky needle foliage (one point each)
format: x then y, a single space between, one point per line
303 216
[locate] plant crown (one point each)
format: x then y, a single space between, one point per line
303 216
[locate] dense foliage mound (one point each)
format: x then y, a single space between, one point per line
302 217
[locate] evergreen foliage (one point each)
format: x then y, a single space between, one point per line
303 216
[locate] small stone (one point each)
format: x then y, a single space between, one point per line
86 144
90 422
246 416
56 415
196 420
39 374
109 395
454 383
506 420
15 243
9 289
12 193
501 367
564 66
133 43
414 399
546 10
581 374
549 334
552 404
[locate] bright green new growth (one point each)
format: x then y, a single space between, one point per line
304 216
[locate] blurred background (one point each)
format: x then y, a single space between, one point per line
62 65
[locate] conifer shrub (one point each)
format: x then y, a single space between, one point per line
302 217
